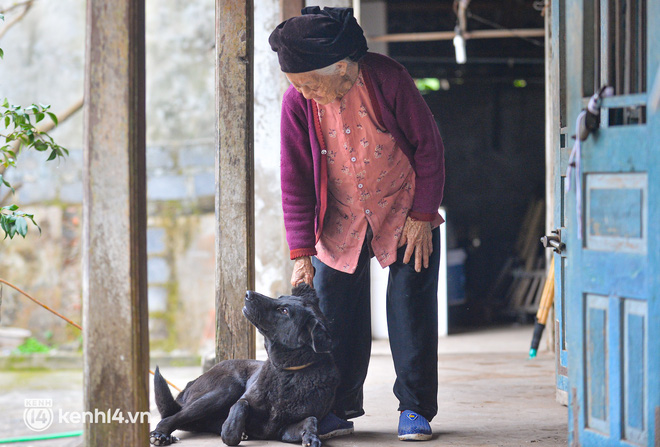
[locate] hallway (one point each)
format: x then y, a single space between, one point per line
490 395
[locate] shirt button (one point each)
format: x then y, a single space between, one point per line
367 211
353 159
360 185
324 152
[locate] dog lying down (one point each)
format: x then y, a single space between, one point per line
281 398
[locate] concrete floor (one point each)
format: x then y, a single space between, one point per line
490 395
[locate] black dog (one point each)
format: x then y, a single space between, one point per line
281 398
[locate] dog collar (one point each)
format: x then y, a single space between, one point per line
298 368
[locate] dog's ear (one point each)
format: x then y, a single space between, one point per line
304 290
321 341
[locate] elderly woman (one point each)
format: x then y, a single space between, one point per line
362 171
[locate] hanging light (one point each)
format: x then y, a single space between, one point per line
459 46
460 8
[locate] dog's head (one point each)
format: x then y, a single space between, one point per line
293 321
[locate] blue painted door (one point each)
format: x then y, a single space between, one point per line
612 258
559 258
560 142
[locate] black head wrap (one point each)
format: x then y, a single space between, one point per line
318 38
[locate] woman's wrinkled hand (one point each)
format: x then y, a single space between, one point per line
303 271
417 234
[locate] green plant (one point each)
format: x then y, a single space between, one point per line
31 346
20 132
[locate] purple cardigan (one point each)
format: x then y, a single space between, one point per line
303 162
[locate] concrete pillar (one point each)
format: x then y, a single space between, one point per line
272 251
234 205
373 19
116 347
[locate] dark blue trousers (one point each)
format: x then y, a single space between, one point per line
412 322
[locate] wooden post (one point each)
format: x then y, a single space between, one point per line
116 346
234 205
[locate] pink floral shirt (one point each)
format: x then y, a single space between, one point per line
370 182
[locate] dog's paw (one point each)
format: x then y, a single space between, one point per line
310 440
157 438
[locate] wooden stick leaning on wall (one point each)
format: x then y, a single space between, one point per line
526 279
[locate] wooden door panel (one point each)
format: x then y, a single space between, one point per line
617 210
561 369
635 365
596 330
623 275
561 353
611 272
615 372
621 148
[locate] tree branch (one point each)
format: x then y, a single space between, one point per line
26 4
49 125
14 6
8 194
61 117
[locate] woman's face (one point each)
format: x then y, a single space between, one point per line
322 89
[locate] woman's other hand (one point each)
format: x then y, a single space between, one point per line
303 271
417 234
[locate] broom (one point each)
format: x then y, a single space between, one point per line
547 298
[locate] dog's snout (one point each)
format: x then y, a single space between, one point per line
252 297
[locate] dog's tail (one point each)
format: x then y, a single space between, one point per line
165 402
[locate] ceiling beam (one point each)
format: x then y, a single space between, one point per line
449 35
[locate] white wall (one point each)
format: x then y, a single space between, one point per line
273 266
379 288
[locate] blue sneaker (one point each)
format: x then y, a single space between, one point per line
332 426
413 427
